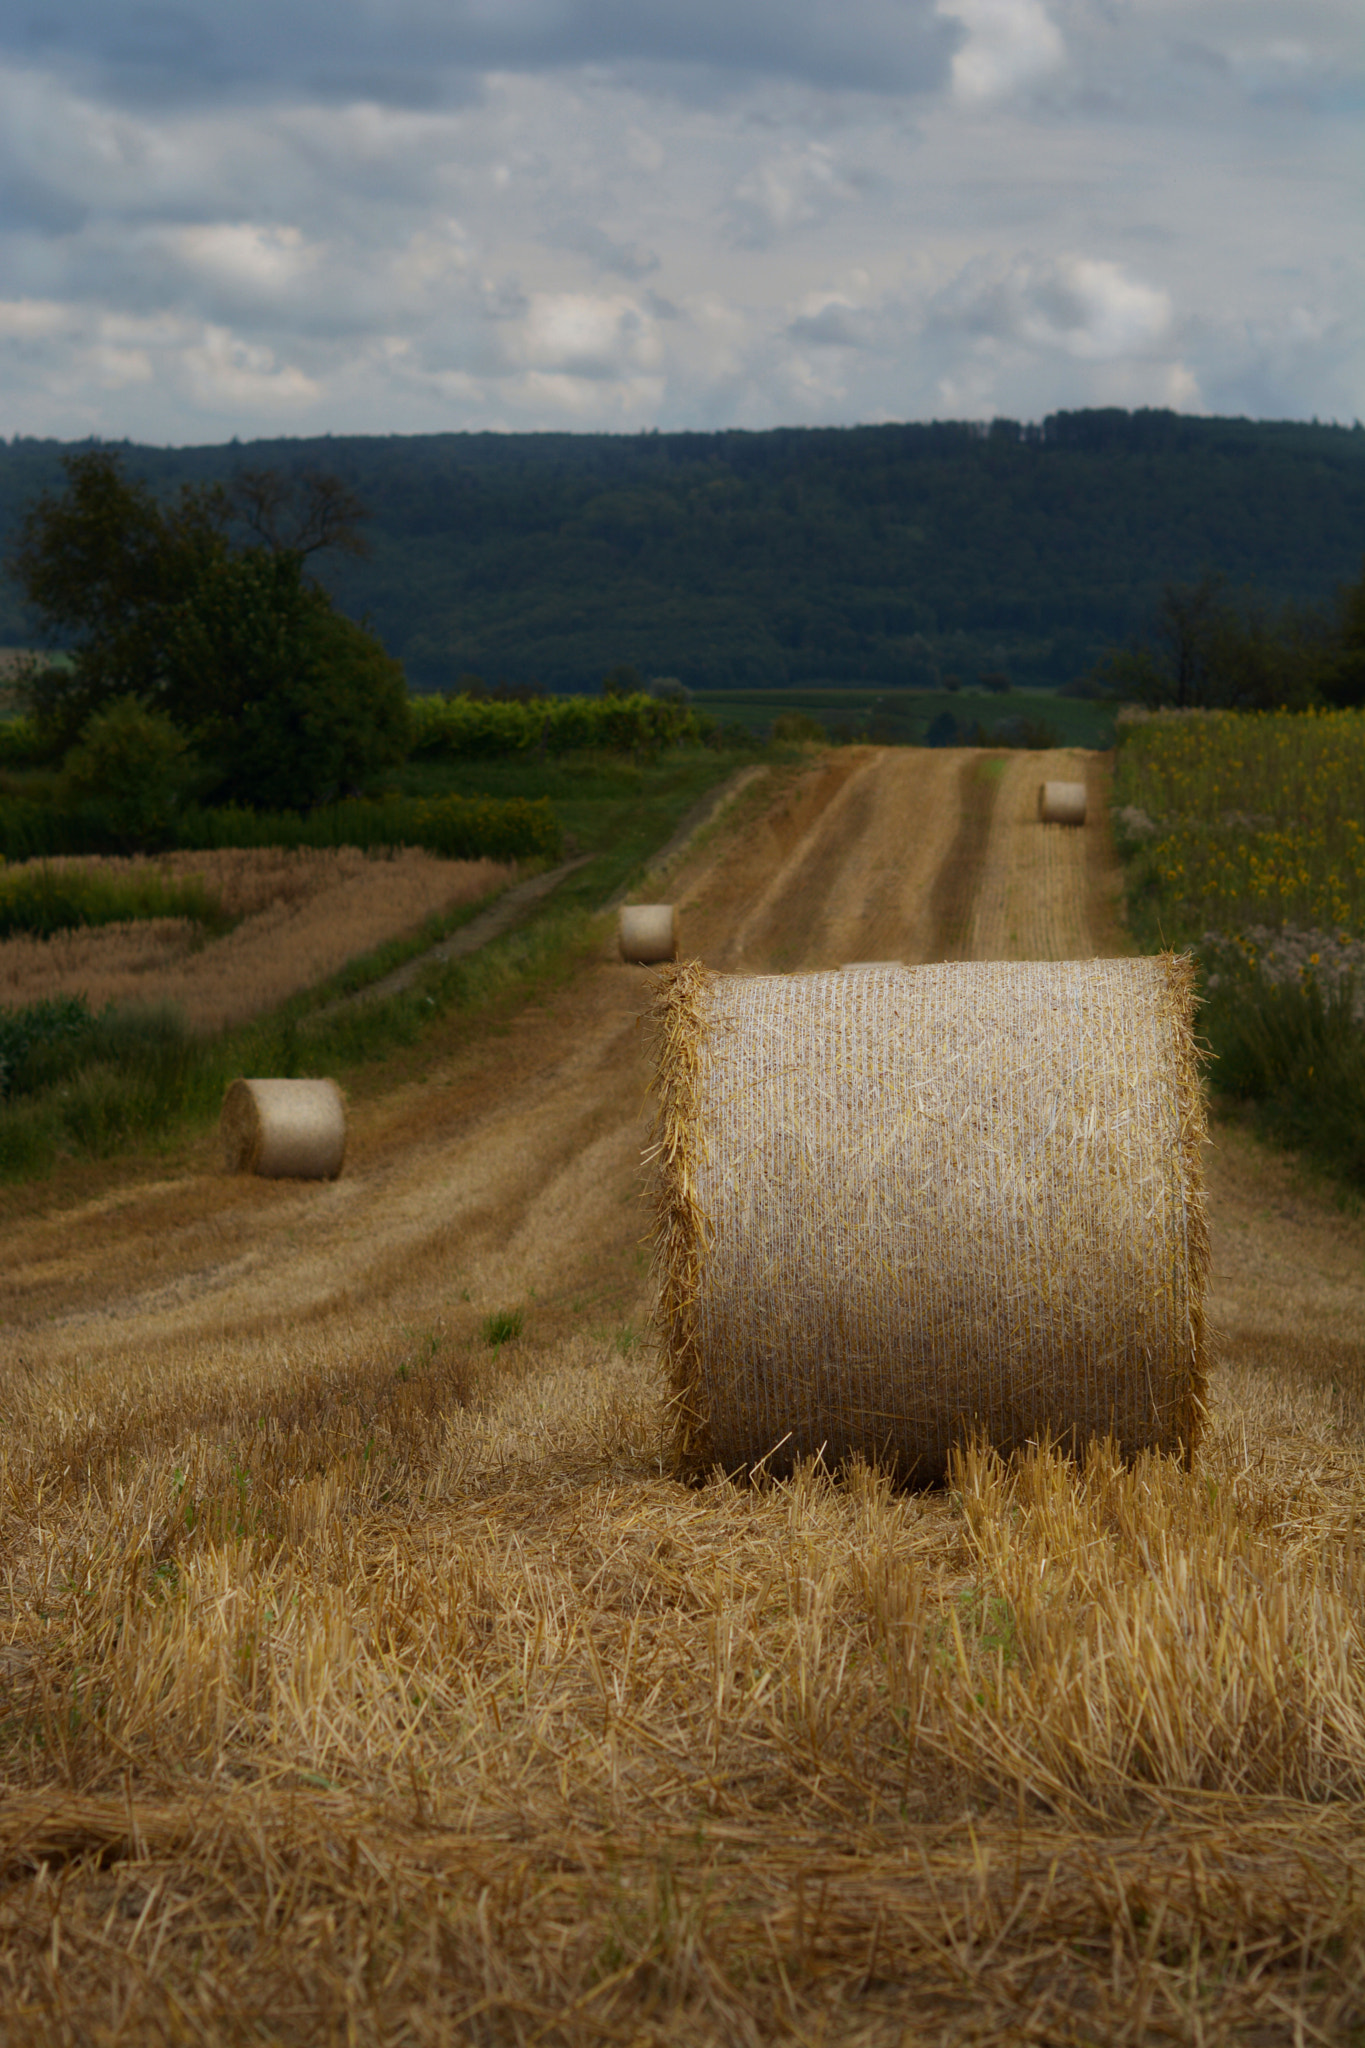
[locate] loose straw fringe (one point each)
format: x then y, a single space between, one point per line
681 1231
846 1384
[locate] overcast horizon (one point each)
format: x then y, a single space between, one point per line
577 214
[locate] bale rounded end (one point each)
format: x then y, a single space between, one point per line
1061 803
647 933
284 1130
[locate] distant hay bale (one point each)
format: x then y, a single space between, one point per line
284 1129
648 933
895 1211
1061 803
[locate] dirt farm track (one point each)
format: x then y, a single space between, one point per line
511 1770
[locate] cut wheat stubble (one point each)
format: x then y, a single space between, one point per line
284 1129
897 1211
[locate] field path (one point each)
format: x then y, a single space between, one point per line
509 1172
1044 892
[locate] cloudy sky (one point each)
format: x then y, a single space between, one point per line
306 216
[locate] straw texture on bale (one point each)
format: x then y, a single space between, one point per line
1061 803
284 1129
899 1210
870 966
648 933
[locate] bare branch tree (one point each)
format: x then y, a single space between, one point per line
300 513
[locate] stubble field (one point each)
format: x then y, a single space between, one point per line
362 1680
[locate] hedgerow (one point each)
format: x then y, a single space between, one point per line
473 728
456 827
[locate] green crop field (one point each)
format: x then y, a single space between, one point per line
904 717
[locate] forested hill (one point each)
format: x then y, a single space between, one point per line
894 554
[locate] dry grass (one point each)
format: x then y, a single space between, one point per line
403 1697
303 914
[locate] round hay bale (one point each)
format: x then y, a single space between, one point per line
871 967
895 1211
284 1129
1061 803
648 933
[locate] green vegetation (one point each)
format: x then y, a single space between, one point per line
1206 650
457 827
1294 1054
224 666
466 727
888 556
946 717
132 1078
44 900
28 1034
1245 839
1233 820
503 1327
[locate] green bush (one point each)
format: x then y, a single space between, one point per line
22 745
132 764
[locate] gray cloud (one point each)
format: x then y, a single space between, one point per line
423 52
673 218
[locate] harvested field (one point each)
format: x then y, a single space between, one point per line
1045 892
362 1681
303 915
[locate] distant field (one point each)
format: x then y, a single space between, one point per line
903 717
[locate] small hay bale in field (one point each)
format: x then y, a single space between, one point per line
284 1129
897 1210
1061 803
648 933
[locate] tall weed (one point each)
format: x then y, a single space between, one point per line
1294 1052
43 900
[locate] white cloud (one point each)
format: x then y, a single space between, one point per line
1086 307
226 374
1011 44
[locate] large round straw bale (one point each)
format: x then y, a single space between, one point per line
1061 803
870 967
895 1211
648 933
284 1129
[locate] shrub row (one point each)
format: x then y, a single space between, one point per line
458 828
473 728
